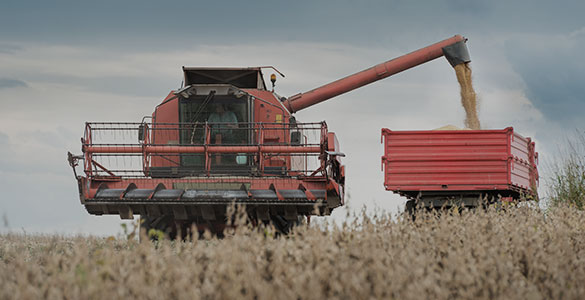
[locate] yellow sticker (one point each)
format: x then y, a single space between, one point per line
278 118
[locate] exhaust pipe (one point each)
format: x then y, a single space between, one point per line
457 53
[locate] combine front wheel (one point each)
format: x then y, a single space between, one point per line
159 227
283 225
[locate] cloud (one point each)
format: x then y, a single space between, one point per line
577 32
553 72
130 24
471 7
4 139
6 83
9 48
7 153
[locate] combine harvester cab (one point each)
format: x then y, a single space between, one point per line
223 139
469 168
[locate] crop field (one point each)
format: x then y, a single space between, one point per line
520 253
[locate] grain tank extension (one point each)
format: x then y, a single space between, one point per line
224 138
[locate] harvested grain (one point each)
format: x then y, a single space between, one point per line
468 96
450 127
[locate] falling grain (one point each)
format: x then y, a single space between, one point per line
468 96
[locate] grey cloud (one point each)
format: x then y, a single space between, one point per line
147 86
4 139
9 48
130 23
577 33
553 73
47 138
470 6
6 83
5 148
34 201
6 153
36 152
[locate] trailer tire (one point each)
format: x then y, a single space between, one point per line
410 208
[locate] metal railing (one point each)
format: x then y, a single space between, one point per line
122 150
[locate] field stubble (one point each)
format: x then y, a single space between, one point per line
517 253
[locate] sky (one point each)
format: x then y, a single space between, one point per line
63 63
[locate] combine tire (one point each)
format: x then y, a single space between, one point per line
163 224
283 226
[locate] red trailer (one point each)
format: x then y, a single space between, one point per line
437 167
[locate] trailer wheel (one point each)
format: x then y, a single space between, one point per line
409 208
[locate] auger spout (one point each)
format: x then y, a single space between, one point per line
454 49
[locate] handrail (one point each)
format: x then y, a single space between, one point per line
263 144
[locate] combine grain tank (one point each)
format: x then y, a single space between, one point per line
225 138
434 168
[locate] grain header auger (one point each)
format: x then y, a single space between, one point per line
225 138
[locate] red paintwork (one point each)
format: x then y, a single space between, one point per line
201 149
165 113
268 112
458 160
313 183
263 153
268 109
332 142
375 73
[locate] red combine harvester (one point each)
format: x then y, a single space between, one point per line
225 138
442 168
